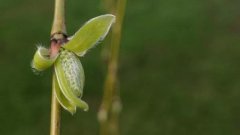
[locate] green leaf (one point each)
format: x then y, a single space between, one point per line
42 59
90 34
70 77
61 98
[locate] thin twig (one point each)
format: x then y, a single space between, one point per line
111 103
55 115
59 18
58 34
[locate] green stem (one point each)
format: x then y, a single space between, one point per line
58 26
55 115
111 104
58 33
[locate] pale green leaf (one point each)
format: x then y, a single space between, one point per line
70 77
66 104
42 59
90 34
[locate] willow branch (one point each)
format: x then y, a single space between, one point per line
55 115
59 18
58 34
111 104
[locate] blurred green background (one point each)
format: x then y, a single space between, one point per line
179 68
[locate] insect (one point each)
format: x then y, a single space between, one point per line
68 77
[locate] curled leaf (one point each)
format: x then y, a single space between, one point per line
70 77
42 59
61 98
90 34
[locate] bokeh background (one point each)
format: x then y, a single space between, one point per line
179 71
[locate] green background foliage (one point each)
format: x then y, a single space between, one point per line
179 71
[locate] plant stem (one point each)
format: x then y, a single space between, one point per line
55 115
58 35
59 18
111 103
